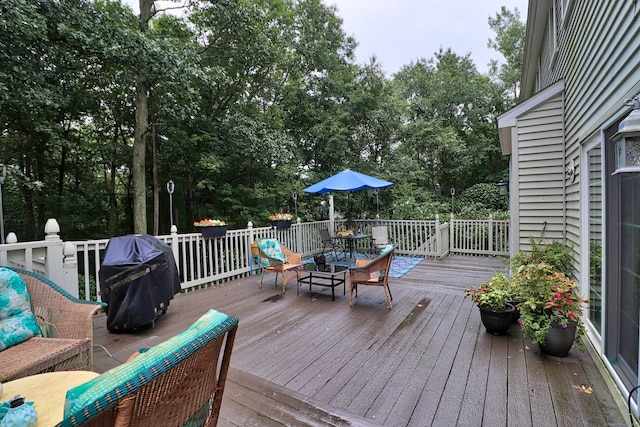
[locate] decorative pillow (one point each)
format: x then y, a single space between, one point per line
271 247
17 322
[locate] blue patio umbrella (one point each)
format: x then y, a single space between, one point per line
348 180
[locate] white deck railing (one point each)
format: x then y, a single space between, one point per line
75 265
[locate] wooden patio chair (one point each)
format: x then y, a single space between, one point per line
372 272
176 383
66 323
278 259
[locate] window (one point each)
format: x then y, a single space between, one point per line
594 200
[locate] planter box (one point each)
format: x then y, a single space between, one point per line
213 231
281 224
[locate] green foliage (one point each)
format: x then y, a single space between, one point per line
249 101
509 41
486 196
556 254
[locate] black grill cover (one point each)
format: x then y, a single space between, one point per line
138 278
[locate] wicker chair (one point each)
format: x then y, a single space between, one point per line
270 263
179 382
67 323
372 272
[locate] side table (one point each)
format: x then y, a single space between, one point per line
47 392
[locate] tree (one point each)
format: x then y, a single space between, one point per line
509 41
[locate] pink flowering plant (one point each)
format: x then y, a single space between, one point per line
546 297
493 294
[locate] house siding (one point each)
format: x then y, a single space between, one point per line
540 172
593 51
597 56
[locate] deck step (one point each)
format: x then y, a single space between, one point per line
252 401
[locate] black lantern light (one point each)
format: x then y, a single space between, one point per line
627 140
503 187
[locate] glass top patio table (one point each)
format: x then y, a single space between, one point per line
329 275
351 242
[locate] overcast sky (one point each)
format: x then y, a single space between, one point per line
399 32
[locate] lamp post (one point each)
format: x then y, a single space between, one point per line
3 168
170 188
295 202
453 193
2 177
627 140
438 194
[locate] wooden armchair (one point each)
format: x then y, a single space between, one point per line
67 326
372 272
276 258
179 382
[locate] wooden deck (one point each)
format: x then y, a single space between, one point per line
308 360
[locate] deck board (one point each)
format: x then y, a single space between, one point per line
307 360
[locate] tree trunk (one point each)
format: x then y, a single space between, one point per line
156 195
138 161
140 136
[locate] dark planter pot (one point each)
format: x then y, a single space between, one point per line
516 313
213 231
559 340
497 322
281 224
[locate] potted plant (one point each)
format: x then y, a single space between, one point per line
493 299
554 253
211 227
281 221
550 308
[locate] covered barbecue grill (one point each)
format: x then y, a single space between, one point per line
138 278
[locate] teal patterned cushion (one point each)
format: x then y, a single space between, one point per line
17 322
271 247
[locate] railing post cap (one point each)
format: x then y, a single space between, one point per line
12 238
68 249
174 229
51 229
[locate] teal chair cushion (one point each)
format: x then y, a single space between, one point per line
271 247
17 322
386 249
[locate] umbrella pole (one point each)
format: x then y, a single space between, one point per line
332 216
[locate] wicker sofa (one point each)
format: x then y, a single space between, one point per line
67 326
